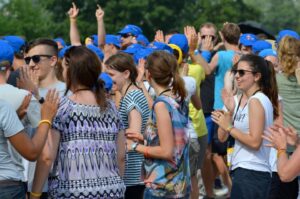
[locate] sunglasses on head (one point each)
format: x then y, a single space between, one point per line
35 58
242 72
212 37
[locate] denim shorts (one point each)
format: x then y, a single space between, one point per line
250 184
13 191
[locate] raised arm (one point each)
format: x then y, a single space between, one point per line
74 33
101 28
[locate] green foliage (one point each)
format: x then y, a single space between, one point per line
48 18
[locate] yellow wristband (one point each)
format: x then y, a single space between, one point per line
45 121
35 194
280 151
229 128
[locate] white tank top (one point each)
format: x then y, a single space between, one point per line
243 156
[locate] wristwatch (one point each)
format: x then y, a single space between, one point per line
134 145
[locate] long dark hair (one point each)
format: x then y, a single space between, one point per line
84 68
163 69
267 83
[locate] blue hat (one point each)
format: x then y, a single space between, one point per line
267 52
6 52
108 82
94 39
247 39
181 41
96 50
142 54
133 48
62 51
284 33
142 39
61 41
132 29
113 39
161 46
260 45
16 42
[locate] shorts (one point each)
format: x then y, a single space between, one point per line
218 147
210 127
194 151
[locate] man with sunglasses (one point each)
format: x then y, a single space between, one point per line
128 35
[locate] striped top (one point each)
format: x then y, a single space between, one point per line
134 99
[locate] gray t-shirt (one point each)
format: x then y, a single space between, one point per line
10 125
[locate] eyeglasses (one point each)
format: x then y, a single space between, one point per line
204 36
126 35
35 58
242 72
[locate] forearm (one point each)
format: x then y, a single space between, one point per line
156 152
74 33
247 139
121 165
198 59
101 33
146 93
222 134
38 141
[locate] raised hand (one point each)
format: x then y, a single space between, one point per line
73 12
159 36
49 107
99 13
192 37
22 110
223 119
28 80
276 137
207 44
228 100
141 70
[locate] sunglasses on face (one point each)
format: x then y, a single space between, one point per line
242 72
126 35
212 37
35 58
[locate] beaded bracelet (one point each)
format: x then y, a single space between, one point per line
45 121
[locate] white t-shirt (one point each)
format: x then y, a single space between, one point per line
10 125
190 87
15 96
243 156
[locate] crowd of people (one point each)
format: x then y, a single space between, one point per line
119 116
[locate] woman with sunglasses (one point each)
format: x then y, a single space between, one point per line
134 111
251 171
166 152
86 144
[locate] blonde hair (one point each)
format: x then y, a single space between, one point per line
289 54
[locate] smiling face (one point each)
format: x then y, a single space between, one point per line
119 78
245 76
45 65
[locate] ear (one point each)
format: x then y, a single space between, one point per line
257 77
54 60
126 74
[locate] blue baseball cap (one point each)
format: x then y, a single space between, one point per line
132 29
267 52
142 54
15 42
284 33
161 46
62 51
6 52
94 39
133 48
61 41
142 39
181 41
260 45
247 39
96 50
113 39
108 82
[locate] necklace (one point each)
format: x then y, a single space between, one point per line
81 89
127 88
164 91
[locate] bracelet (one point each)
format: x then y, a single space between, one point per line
280 151
229 128
45 121
35 194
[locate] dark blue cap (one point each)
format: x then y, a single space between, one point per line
133 48
132 29
284 33
62 51
6 52
161 46
142 39
247 39
260 45
113 39
16 42
181 41
142 54
61 41
267 52
96 50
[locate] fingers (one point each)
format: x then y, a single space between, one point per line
74 5
99 7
